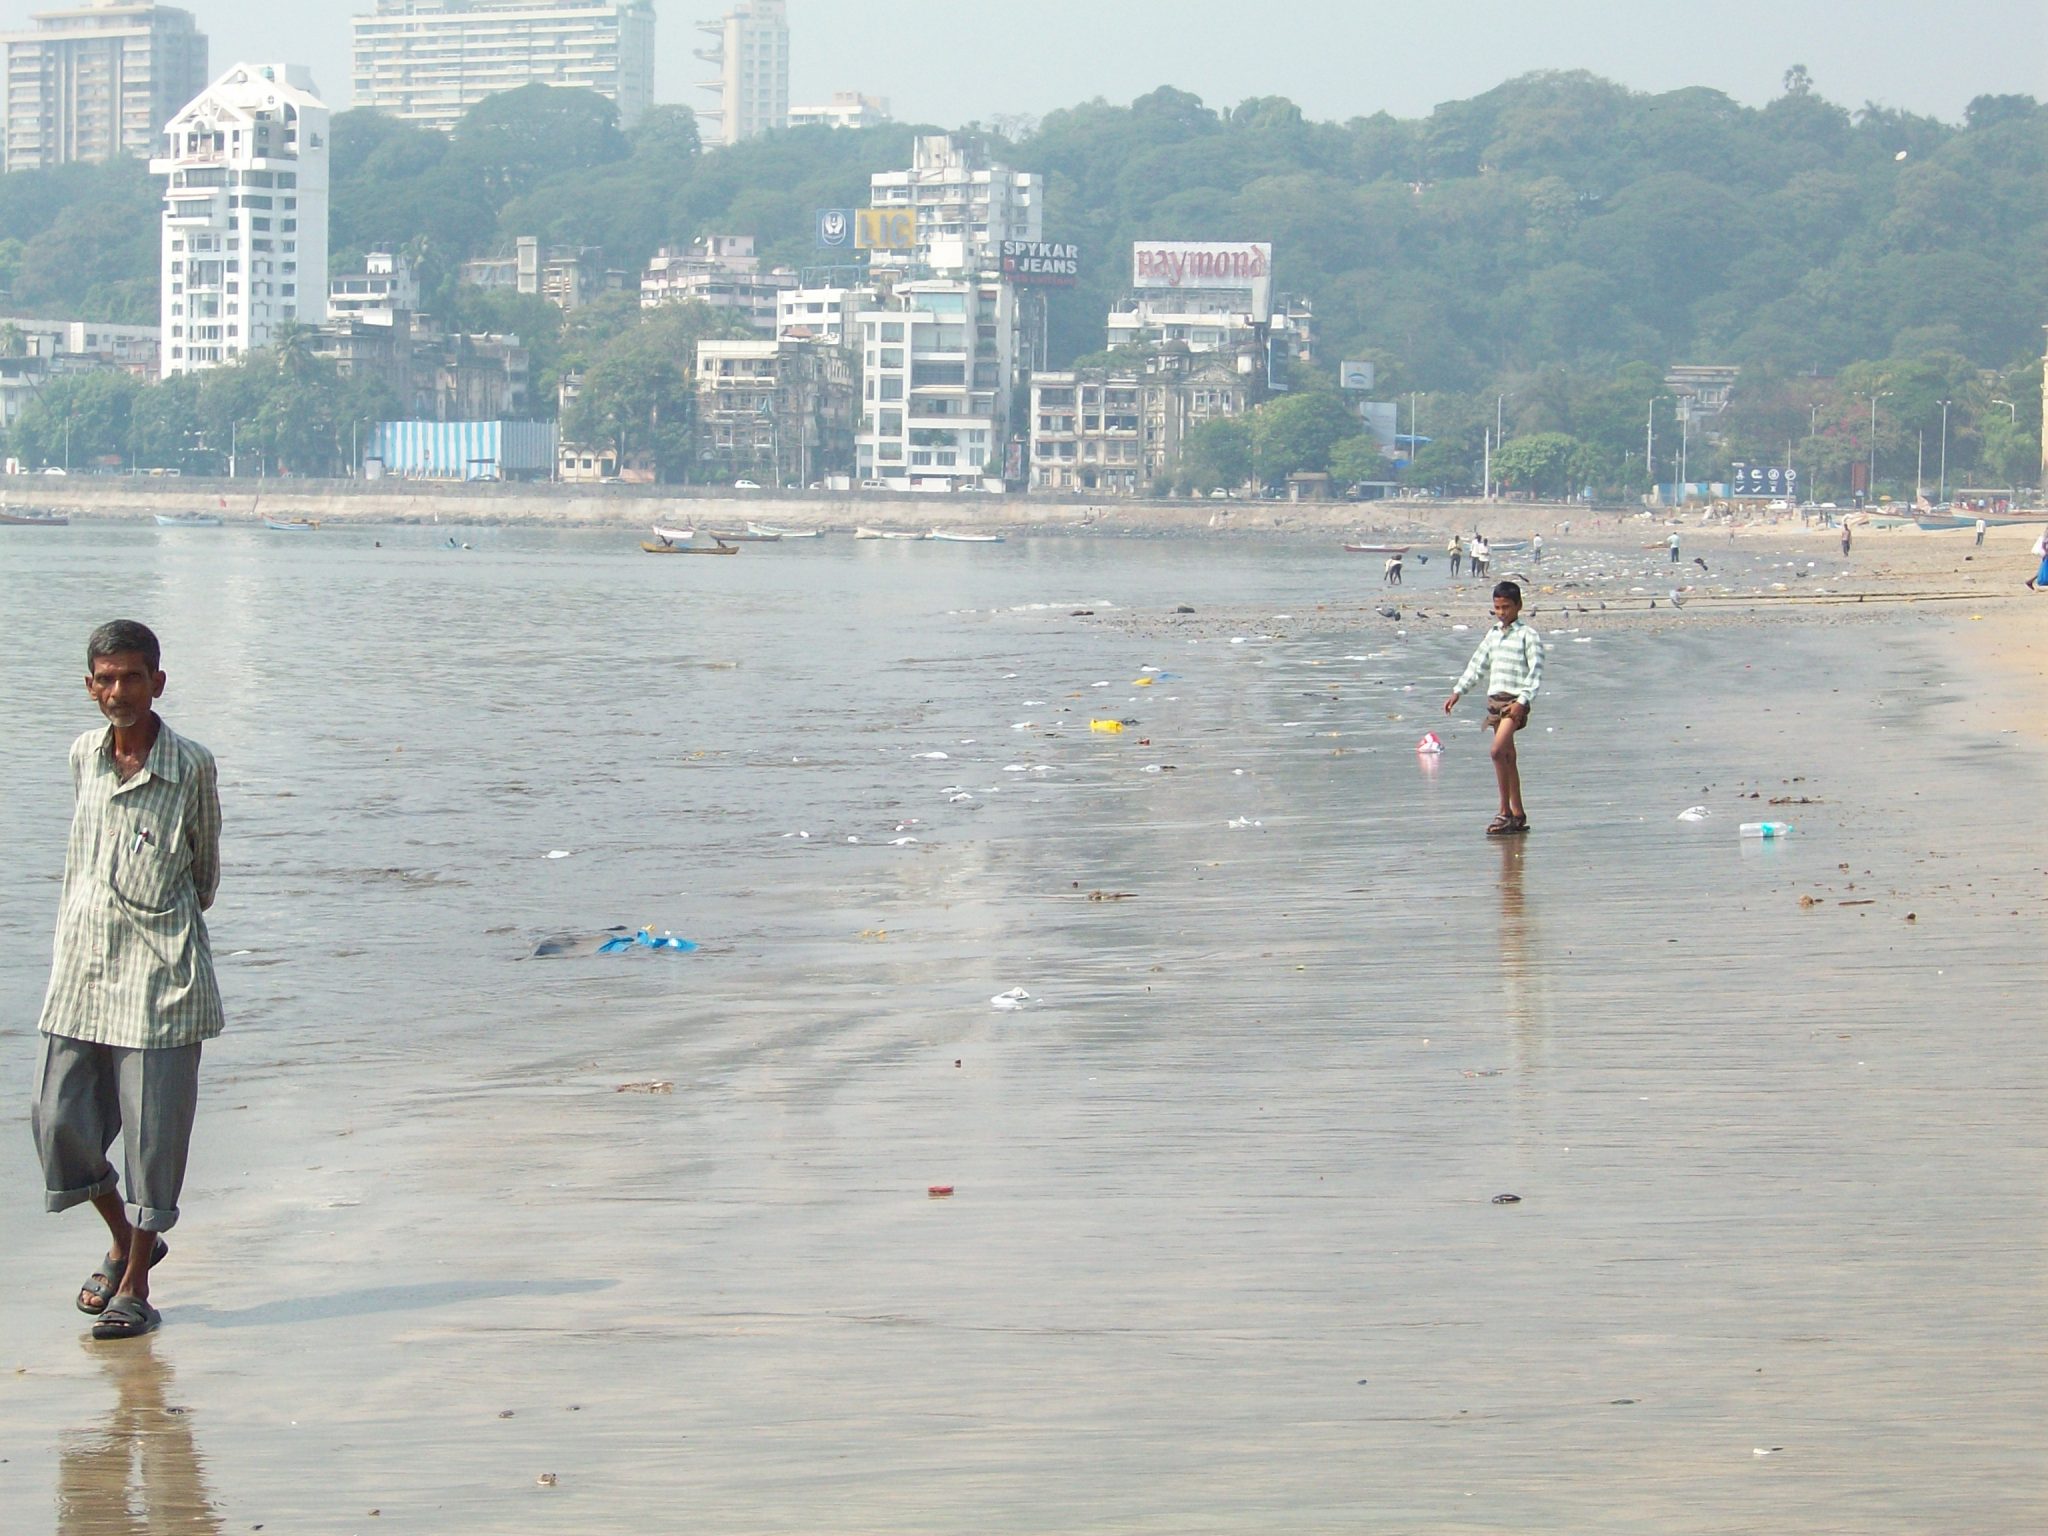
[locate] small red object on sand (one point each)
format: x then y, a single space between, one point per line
939 1191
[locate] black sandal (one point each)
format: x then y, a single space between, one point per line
101 1285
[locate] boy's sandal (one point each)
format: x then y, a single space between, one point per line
103 1282
1500 824
127 1317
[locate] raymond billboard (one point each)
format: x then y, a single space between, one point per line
885 229
1228 264
1041 264
1355 374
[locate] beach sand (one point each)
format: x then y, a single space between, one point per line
483 1244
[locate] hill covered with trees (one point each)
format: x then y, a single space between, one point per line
1546 249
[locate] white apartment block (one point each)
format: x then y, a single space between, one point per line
752 58
846 109
386 288
826 315
1115 432
938 366
776 409
245 215
967 206
95 81
719 270
430 61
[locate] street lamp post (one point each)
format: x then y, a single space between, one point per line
1812 457
1944 450
1870 473
2012 411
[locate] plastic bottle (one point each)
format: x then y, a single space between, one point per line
1766 829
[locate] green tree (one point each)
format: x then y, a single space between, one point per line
1357 458
1545 463
1296 432
1217 454
75 419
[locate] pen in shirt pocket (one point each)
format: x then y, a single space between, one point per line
142 836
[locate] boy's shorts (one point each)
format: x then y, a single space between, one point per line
88 1094
1497 707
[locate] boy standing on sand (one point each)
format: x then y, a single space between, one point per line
1511 660
132 992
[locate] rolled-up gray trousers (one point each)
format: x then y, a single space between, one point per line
86 1095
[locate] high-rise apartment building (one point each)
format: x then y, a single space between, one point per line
95 81
430 61
245 215
967 206
752 55
938 364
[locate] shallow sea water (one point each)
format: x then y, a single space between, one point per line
1222 1254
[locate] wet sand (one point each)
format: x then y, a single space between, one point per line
1222 1253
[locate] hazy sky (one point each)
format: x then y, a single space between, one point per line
949 61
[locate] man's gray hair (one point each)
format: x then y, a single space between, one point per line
117 636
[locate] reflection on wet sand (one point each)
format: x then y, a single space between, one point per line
137 1470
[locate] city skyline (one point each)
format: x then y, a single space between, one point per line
1402 61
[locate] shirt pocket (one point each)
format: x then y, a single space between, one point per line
151 865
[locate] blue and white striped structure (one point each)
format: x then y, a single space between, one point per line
464 450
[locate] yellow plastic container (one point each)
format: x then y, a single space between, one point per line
1107 727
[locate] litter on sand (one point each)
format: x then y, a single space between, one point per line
1694 813
1431 743
1010 1001
557 853
645 940
1107 727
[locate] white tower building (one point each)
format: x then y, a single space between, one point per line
752 55
245 215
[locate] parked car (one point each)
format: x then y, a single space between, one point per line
56 469
745 485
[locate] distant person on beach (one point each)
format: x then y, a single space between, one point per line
1536 549
1456 550
1482 552
1392 574
1845 538
132 992
2039 580
1510 658
1672 544
1981 525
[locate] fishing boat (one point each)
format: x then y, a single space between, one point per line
762 531
675 535
1991 520
690 549
745 536
186 520
1378 549
290 524
886 533
34 518
964 538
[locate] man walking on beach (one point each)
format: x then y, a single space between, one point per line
1510 658
1456 550
132 992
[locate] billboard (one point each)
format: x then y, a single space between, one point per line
1763 480
835 228
1382 422
1040 264
1227 264
1355 375
885 229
